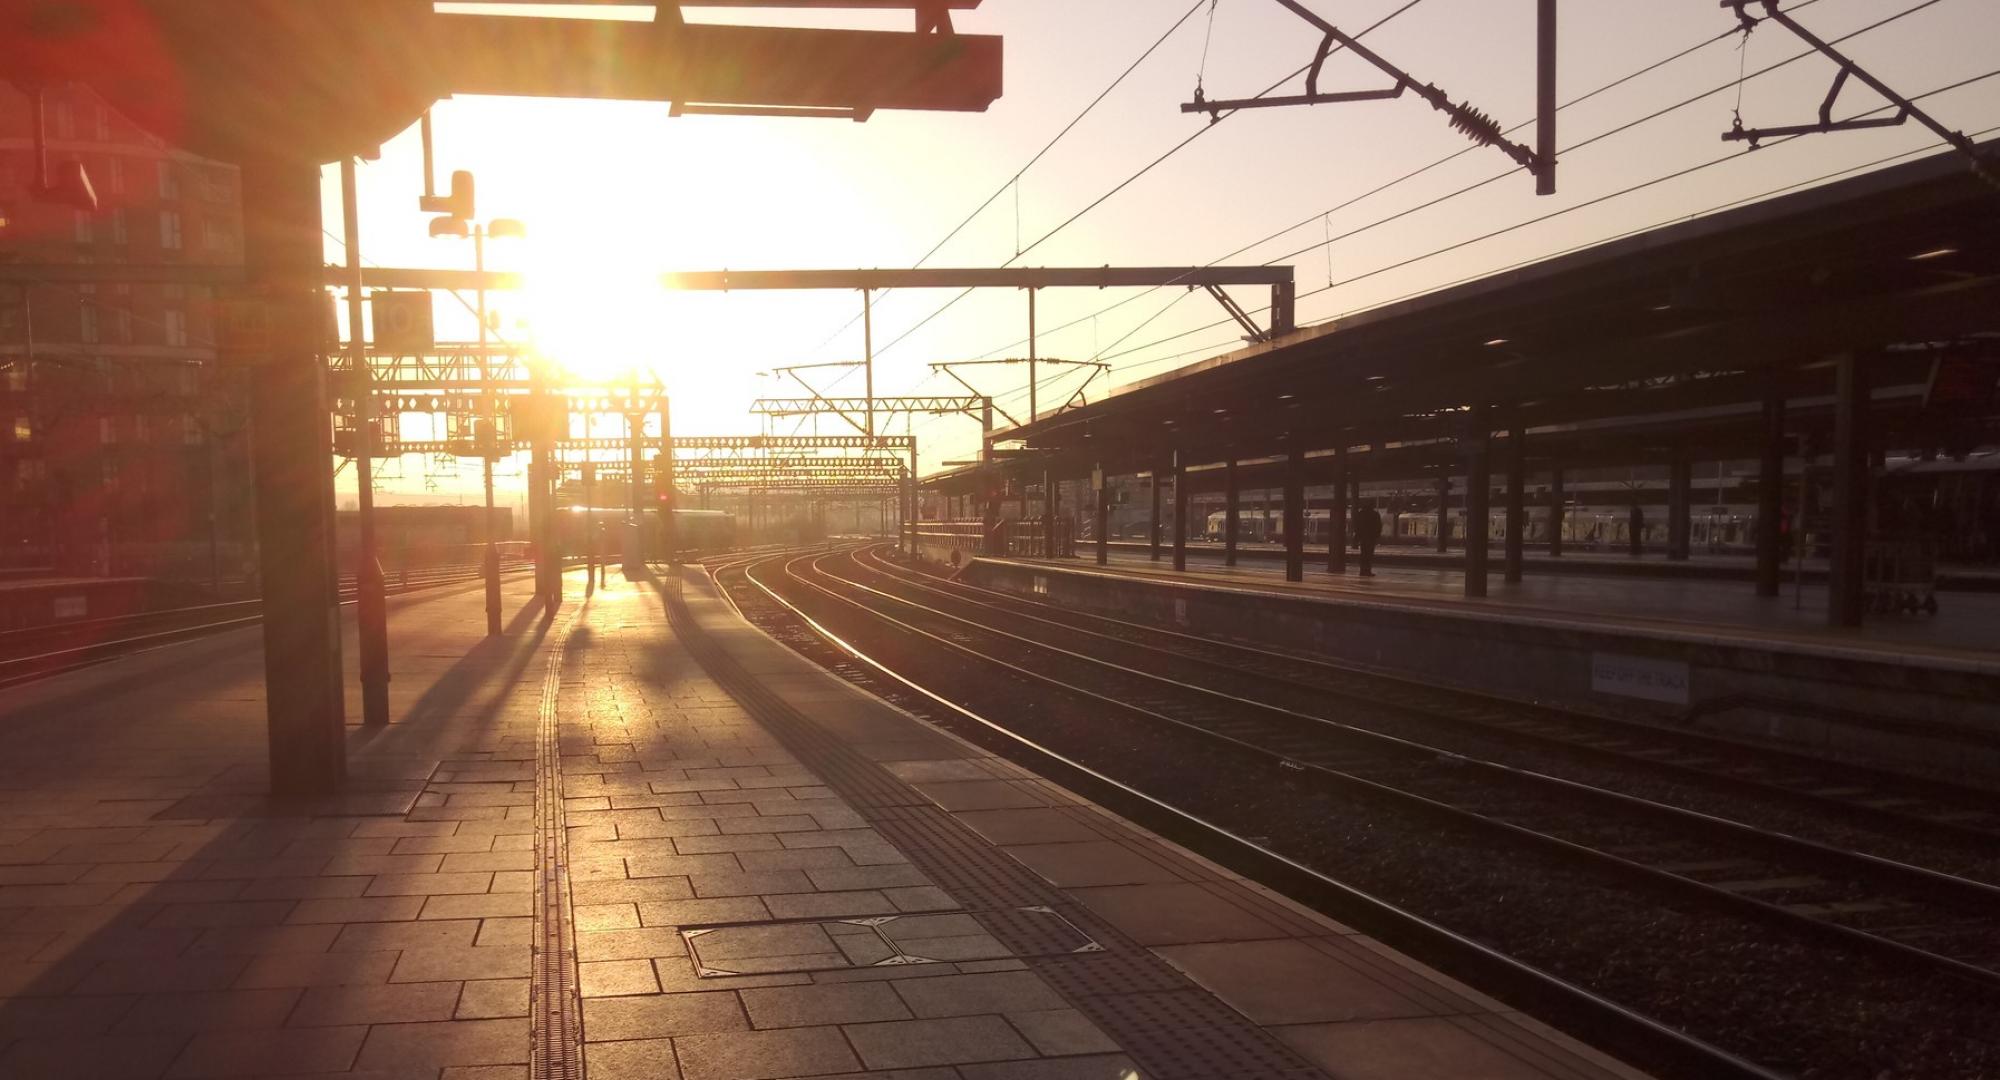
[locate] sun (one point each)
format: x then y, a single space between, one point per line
586 307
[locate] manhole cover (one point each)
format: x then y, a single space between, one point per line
882 941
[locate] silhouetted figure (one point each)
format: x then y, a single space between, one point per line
1367 530
1637 530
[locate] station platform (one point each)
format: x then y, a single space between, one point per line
1966 626
1905 691
770 874
1579 558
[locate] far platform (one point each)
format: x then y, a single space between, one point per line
1904 690
1966 626
1578 557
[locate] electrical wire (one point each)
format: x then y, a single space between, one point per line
1130 180
1448 158
1641 186
1014 180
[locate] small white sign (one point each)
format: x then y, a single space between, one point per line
1640 677
72 607
1180 611
1041 585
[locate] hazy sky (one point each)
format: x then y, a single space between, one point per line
613 192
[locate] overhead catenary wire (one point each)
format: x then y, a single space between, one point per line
1599 200
1013 181
1822 178
1130 180
1388 185
1109 354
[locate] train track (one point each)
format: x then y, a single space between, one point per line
41 652
1254 703
1897 804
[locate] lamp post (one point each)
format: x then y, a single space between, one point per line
488 442
371 591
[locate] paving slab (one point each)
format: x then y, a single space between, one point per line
786 880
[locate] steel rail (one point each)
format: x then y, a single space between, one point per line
1857 940
1609 1023
1953 796
1976 895
18 670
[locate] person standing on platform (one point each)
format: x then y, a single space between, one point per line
1367 530
1637 529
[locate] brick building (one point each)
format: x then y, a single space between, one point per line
122 447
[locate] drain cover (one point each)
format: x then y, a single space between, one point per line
882 941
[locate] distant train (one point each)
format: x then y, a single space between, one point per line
698 531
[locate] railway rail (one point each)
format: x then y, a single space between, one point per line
1899 804
1255 705
41 652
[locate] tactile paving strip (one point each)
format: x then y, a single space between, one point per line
1188 1033
1172 1029
554 1006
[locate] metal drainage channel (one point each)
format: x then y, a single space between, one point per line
554 1006
1170 1028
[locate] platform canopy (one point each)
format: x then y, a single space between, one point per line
318 80
1621 348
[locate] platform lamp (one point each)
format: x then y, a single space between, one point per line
459 207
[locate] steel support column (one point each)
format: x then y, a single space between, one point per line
1180 513
910 489
371 606
1478 500
1770 489
1517 501
1558 510
590 527
1680 509
489 442
1295 514
635 534
989 523
542 505
669 536
1153 533
1051 506
1336 516
1103 518
1444 514
293 475
1229 514
1850 493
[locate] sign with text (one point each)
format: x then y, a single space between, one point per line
1666 681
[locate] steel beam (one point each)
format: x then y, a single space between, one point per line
1846 589
1295 514
1336 517
1153 532
1231 515
1770 489
1680 508
1517 502
1180 513
1558 510
1478 499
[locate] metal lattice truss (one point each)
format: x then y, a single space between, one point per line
854 409
445 368
816 464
